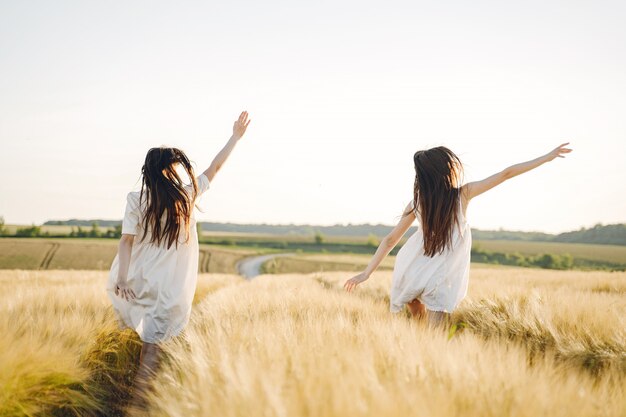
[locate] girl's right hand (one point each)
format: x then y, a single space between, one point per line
354 281
558 152
240 125
123 290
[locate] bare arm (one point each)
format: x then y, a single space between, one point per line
386 245
476 188
239 128
124 252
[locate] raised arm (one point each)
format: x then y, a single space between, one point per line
239 128
473 189
386 245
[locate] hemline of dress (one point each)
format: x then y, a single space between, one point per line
177 331
394 309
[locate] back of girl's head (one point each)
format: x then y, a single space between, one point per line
165 194
436 195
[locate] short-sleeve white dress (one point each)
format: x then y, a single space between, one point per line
164 280
439 282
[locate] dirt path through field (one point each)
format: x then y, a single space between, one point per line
45 263
205 259
251 267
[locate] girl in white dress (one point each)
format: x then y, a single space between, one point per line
153 276
431 271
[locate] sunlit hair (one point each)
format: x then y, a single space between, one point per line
168 205
436 195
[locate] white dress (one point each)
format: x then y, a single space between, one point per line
164 280
440 282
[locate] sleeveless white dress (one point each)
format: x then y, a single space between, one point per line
164 280
440 282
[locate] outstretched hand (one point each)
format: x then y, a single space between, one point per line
241 124
352 283
558 152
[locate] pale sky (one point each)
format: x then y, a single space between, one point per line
341 94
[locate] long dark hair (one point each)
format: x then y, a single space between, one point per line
166 196
436 195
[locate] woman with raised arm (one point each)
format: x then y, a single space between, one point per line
431 270
153 277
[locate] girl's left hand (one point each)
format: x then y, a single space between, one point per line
354 281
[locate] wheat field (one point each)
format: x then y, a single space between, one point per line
523 343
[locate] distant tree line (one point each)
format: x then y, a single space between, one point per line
613 234
544 260
36 231
32 231
349 230
95 231
83 223
511 235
